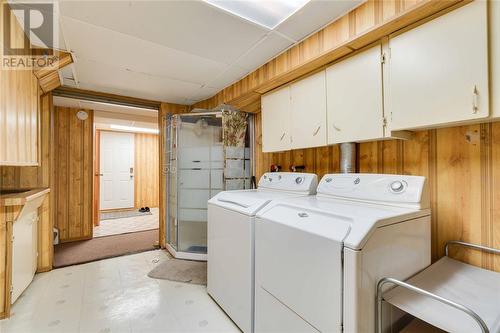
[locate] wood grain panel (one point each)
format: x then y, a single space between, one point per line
18 109
462 165
97 179
73 172
146 173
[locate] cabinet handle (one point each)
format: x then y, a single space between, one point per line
316 131
475 95
335 127
282 136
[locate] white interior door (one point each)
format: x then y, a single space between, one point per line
117 170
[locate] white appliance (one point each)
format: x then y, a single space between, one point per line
318 258
231 217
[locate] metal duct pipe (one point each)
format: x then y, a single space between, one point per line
347 157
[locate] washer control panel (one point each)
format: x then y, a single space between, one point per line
397 189
289 181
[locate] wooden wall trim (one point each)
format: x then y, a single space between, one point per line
362 26
96 179
106 97
146 173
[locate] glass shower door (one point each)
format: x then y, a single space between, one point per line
199 177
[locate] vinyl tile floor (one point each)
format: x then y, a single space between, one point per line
114 295
128 224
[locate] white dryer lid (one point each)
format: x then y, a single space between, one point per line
363 218
248 202
272 186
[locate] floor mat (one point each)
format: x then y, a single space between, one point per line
120 214
79 252
181 270
197 249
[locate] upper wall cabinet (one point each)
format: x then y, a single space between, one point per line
355 98
439 70
294 117
494 36
308 105
18 118
276 120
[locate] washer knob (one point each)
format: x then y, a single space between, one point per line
299 180
397 186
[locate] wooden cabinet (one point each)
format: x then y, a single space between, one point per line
308 112
439 70
276 125
294 117
355 98
18 118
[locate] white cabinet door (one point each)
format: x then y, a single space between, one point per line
439 70
494 31
355 98
309 112
276 120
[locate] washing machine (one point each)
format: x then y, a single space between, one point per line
318 259
231 216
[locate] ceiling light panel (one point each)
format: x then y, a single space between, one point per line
267 13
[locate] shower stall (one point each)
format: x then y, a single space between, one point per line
202 161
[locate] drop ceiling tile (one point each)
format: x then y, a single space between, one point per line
203 93
315 15
91 42
268 48
190 26
105 78
226 78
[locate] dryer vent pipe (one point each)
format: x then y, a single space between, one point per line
348 157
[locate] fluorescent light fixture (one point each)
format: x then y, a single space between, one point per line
267 13
134 129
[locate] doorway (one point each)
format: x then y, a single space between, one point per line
120 177
127 177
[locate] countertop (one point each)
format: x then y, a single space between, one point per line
20 198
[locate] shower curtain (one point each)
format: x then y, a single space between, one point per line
236 167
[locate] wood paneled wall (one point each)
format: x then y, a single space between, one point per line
462 165
73 159
147 172
15 177
18 108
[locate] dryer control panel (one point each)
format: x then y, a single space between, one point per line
289 181
393 189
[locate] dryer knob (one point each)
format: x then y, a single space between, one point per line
397 186
299 180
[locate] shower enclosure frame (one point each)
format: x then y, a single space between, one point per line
167 144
